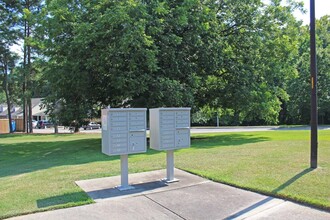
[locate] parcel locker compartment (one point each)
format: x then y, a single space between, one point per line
137 141
182 138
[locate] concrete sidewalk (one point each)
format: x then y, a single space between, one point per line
192 197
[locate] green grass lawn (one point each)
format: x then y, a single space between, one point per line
37 172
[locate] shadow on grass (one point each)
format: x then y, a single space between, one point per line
77 197
221 140
292 180
18 135
19 158
270 199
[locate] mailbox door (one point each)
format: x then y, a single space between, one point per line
182 138
137 142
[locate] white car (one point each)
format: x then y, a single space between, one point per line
92 125
34 123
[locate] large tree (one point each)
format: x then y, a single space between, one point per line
299 87
258 55
29 10
232 55
124 53
9 35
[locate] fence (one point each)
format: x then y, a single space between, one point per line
19 124
4 126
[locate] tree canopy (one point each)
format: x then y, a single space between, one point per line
243 59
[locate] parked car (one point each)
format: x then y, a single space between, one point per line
92 125
44 124
34 123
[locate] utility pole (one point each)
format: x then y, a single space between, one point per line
313 162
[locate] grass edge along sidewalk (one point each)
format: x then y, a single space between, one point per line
38 171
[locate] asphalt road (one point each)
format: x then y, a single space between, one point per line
196 130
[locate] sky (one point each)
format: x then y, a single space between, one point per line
322 7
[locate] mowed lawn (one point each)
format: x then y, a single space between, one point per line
38 172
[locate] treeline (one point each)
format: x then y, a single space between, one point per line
245 61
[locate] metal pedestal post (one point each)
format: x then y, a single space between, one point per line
170 167
124 173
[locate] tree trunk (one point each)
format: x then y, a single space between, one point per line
29 87
30 115
11 130
27 118
24 83
55 127
5 86
236 117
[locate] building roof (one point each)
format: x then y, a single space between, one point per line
37 109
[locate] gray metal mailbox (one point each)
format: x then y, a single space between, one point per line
124 131
169 128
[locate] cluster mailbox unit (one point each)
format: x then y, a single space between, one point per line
123 133
169 130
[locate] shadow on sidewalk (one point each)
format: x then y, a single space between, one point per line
270 199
